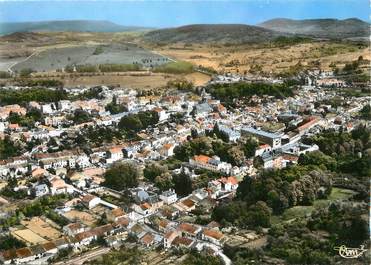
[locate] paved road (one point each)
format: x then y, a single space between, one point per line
84 257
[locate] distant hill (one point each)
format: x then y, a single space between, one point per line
203 33
322 28
65 25
24 36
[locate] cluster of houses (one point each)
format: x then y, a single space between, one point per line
153 218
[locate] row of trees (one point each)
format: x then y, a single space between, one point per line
88 68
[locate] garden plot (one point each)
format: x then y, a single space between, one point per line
27 236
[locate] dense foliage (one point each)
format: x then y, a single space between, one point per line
33 115
96 136
8 97
80 116
121 176
312 241
288 41
115 108
133 123
9 192
343 152
92 93
182 184
229 92
153 170
41 206
365 112
10 242
241 214
8 148
278 189
232 153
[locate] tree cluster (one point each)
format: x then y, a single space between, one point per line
134 123
343 152
23 96
312 241
229 92
231 153
121 176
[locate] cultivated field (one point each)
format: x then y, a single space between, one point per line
27 236
57 58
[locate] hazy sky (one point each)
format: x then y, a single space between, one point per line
168 13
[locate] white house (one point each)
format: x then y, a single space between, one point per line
213 164
169 196
41 190
90 200
161 113
73 229
114 154
58 186
212 235
229 183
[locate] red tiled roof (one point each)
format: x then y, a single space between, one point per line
182 241
147 238
189 203
188 228
213 233
201 159
232 180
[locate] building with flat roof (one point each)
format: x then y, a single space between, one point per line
273 139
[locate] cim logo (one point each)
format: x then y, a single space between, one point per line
350 253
